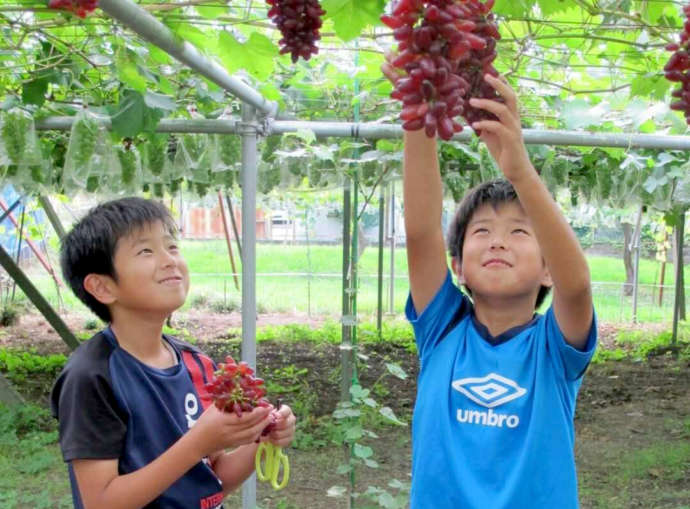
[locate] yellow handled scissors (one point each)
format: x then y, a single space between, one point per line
269 462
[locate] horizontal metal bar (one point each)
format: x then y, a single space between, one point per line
149 28
373 131
171 125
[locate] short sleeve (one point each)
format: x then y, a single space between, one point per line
91 423
572 361
446 309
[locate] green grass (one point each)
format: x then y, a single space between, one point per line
32 473
300 279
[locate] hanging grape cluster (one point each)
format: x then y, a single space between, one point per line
78 7
677 68
299 22
445 48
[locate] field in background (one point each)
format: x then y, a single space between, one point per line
307 279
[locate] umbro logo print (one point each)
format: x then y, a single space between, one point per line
489 391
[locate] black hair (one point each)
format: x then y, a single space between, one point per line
89 248
494 193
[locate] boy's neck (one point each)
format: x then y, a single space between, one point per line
499 317
142 337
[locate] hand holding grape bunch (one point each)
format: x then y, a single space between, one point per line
235 389
445 47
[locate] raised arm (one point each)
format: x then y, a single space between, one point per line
423 204
572 294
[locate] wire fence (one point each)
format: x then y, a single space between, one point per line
320 295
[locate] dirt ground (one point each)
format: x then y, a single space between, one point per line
627 412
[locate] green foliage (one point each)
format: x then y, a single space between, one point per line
354 419
394 332
574 65
9 315
92 324
31 470
637 344
21 420
19 365
224 305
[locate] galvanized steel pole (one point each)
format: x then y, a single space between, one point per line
248 129
148 27
373 131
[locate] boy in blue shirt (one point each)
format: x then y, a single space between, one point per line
136 426
493 420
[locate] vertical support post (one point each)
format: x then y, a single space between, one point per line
662 278
227 239
346 341
231 209
379 305
636 265
249 157
391 285
678 302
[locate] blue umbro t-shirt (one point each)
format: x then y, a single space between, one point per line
493 423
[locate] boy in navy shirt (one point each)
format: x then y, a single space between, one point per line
136 427
493 420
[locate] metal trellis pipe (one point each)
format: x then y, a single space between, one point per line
148 27
248 129
375 131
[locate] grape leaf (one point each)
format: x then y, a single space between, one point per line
34 91
132 115
350 17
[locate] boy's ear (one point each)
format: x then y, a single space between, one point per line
546 278
456 264
101 287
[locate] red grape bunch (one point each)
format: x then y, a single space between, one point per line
235 389
299 22
678 68
445 47
78 7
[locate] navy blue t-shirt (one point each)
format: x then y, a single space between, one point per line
493 421
112 406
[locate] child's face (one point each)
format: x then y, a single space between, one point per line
500 256
151 274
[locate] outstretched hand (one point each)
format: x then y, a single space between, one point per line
503 137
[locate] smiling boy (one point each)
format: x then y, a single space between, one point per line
493 420
137 429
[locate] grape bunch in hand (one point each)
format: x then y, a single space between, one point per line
78 7
445 47
235 389
299 22
677 69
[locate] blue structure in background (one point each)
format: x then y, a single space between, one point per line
8 237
